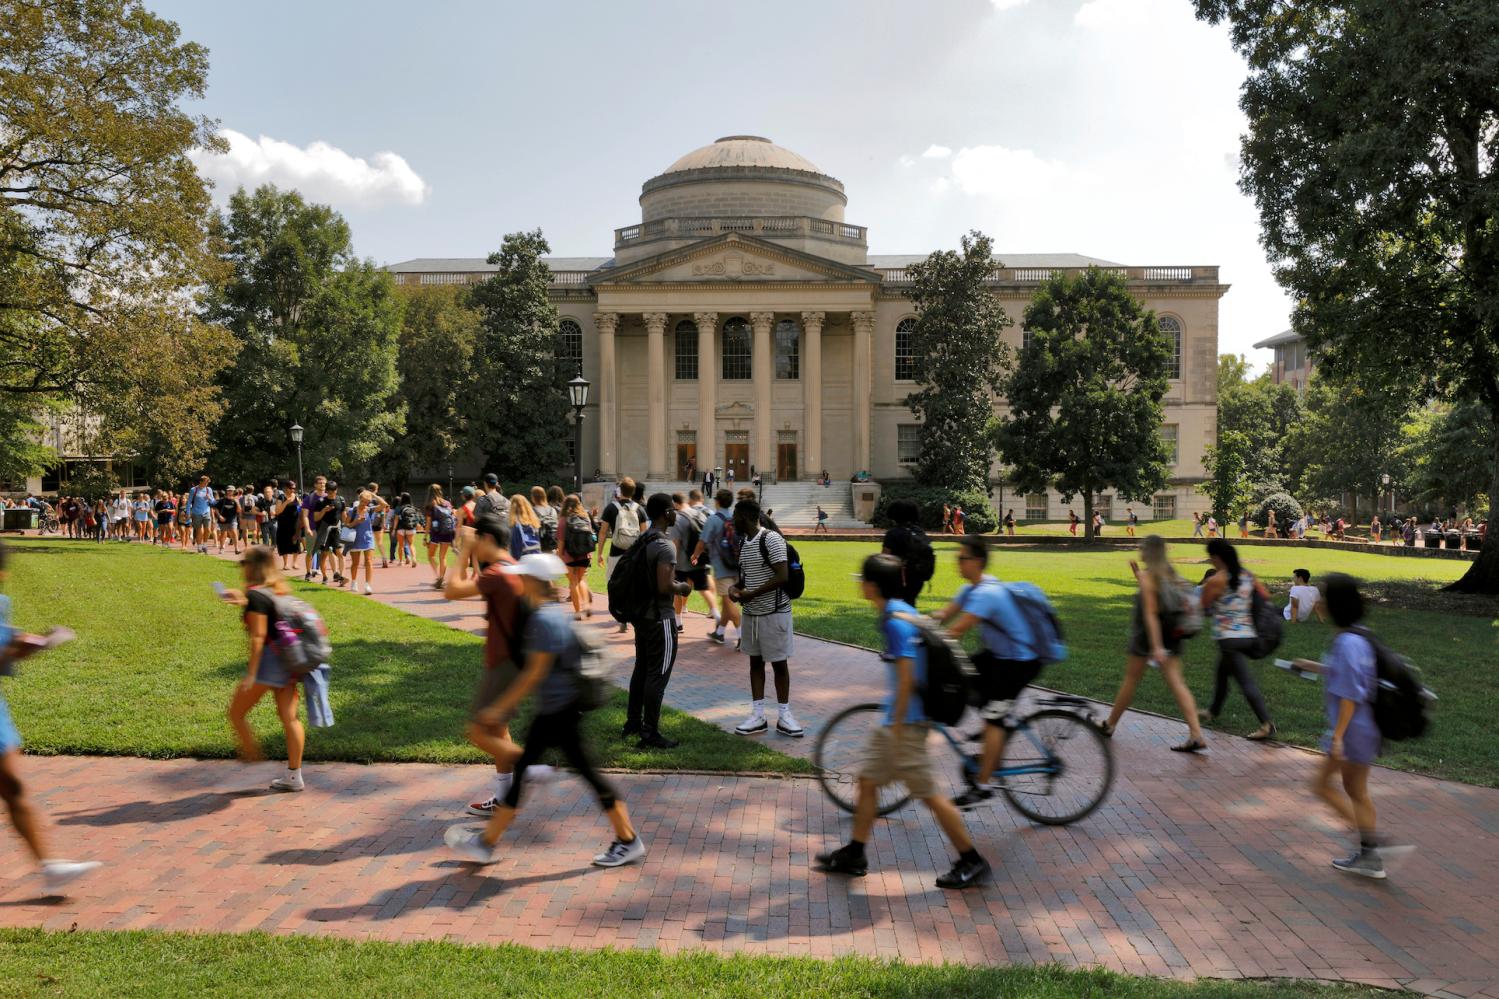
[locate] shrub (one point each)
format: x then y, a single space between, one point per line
1287 510
979 515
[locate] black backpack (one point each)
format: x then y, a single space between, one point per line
796 576
632 587
1269 626
1400 699
580 537
921 561
950 680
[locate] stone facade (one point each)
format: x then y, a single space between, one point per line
743 323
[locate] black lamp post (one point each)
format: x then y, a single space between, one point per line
450 480
577 394
296 438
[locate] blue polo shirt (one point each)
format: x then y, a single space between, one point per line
902 641
1003 629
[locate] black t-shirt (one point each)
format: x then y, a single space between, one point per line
898 542
262 504
611 514
227 506
332 509
259 601
659 550
164 510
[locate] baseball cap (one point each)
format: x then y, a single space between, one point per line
542 566
491 479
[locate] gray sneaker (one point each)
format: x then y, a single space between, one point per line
1364 863
620 854
468 845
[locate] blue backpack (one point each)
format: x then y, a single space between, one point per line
1046 631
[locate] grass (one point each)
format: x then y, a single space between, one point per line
145 964
1453 639
157 657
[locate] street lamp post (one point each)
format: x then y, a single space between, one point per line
1385 481
577 394
296 438
450 480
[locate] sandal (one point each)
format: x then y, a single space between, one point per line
1190 746
1265 733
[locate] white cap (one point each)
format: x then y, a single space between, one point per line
542 566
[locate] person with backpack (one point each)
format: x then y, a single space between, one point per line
553 674
1010 523
199 506
686 533
622 523
765 635
1014 650
1165 615
897 750
1350 681
525 528
576 541
279 628
330 534
440 525
909 543
642 592
407 519
545 505
1229 596
720 544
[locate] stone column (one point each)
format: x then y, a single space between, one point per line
655 380
763 372
707 393
607 323
863 378
812 391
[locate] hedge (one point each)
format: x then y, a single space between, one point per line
980 516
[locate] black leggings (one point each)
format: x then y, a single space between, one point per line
1233 663
560 731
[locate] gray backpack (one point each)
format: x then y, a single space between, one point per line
299 634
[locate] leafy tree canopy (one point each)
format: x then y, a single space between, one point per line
1346 443
1264 413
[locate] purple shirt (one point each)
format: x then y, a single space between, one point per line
1350 675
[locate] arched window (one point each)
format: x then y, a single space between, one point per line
788 349
737 349
686 351
905 350
1172 327
569 348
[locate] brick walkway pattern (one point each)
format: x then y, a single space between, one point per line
1211 866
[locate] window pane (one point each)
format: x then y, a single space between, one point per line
1173 329
1169 435
905 350
569 348
686 350
1035 506
1164 508
737 349
788 337
908 443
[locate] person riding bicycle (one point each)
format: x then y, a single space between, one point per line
1006 664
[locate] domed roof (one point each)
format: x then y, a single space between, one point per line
742 151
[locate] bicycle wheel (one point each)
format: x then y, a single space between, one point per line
840 751
1057 767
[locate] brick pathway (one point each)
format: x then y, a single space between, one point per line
1214 866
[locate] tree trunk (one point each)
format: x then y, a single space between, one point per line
1088 534
1483 575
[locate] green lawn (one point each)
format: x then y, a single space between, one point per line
1453 639
157 657
37 963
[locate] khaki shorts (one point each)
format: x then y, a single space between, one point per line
767 636
887 761
493 684
722 584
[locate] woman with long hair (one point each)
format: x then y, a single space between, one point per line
1228 595
439 524
365 517
525 528
405 518
575 543
1153 638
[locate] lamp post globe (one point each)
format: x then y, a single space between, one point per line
577 394
296 433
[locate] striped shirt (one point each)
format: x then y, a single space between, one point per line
755 571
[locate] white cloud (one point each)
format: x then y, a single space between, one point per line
322 172
1110 15
935 152
1008 4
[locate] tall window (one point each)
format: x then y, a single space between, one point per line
569 348
686 351
908 443
905 350
1169 438
1163 507
1035 506
737 350
1172 327
1025 339
788 349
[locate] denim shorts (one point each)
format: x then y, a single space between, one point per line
270 672
10 736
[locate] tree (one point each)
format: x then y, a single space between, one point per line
316 331
1264 413
102 216
518 413
1228 486
1347 442
959 363
1371 154
439 333
1085 398
1442 451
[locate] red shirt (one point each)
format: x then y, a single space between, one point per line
501 592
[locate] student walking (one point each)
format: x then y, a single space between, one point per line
897 751
441 525
552 673
286 511
655 571
1228 595
406 519
264 617
363 518
576 542
330 534
766 632
1072 522
525 528
545 503
226 519
822 521
720 543
1197 524
1131 521
622 523
686 533
1155 637
1010 523
909 543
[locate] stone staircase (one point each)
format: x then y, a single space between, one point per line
794 504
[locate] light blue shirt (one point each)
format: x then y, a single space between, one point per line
1003 629
200 496
712 531
902 641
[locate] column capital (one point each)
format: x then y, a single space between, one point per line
863 321
765 319
655 322
705 320
606 322
810 319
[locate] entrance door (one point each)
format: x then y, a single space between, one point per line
686 456
786 461
736 459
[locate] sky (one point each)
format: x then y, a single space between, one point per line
1104 127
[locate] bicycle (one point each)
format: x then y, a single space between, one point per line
1056 767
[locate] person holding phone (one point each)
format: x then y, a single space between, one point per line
367 513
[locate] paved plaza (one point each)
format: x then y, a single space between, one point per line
1210 866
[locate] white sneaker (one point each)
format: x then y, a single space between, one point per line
787 724
469 845
755 724
541 773
368 589
619 854
289 782
60 873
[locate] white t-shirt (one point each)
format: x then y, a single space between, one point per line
1306 598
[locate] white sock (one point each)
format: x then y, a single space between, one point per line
502 782
785 707
757 708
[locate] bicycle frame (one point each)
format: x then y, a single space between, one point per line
1048 766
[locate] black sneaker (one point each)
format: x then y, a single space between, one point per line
842 861
965 874
716 637
973 797
630 730
656 740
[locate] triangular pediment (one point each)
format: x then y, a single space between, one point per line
734 257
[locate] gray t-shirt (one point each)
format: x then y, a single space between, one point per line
688 523
549 630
